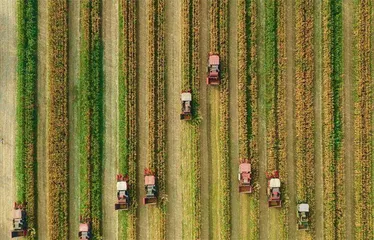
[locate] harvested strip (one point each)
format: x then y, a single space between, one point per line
57 135
91 118
127 112
26 110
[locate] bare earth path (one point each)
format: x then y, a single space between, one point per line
234 129
42 118
110 40
290 101
173 75
264 213
8 61
318 122
348 115
74 7
204 155
142 219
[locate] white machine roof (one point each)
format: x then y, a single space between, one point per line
121 186
275 183
186 96
304 207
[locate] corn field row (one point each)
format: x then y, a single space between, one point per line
57 135
157 112
305 182
363 122
333 162
127 112
248 112
91 115
26 110
191 223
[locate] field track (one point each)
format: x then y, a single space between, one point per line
8 64
110 40
175 181
74 50
42 117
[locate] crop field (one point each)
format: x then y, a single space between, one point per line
91 91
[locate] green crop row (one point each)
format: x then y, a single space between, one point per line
57 135
333 164
91 115
127 111
26 110
190 150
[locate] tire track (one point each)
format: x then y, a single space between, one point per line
73 61
110 60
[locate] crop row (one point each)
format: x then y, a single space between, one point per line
157 110
191 222
304 104
127 111
363 123
248 110
91 115
57 135
219 44
26 109
333 164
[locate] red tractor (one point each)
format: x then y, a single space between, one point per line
186 100
85 231
150 188
273 189
244 177
123 199
19 221
213 70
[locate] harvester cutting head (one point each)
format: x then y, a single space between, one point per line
19 221
123 199
150 187
244 177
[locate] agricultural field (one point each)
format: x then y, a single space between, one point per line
108 105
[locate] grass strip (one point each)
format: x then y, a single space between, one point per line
26 161
57 131
191 222
91 115
127 112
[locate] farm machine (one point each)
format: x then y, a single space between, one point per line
213 70
186 100
244 177
85 230
273 189
123 199
303 216
19 221
150 188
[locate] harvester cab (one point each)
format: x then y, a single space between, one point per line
150 188
123 199
303 216
244 177
273 189
186 101
213 70
85 231
19 221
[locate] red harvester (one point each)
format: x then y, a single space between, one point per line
150 188
123 199
19 221
85 230
213 70
244 177
273 190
